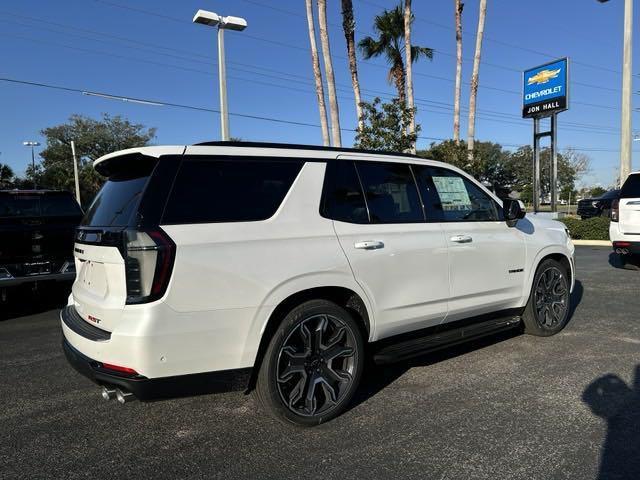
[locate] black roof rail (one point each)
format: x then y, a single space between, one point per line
297 146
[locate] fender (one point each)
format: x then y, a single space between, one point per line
545 252
296 285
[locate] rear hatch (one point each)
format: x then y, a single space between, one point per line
117 257
629 207
37 231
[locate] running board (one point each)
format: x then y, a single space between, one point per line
414 347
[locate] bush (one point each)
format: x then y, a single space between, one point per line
596 228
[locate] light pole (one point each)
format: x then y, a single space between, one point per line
32 144
626 136
223 23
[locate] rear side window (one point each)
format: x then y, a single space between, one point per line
631 187
343 197
391 192
212 190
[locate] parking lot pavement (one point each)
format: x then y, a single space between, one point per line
511 407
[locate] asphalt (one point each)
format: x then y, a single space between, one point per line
509 407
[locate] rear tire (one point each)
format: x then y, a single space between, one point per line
312 366
547 310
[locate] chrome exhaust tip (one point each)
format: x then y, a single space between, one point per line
124 397
108 393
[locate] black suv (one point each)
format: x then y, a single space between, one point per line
36 236
599 206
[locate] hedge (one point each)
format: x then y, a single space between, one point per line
596 228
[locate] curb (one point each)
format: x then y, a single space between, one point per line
592 243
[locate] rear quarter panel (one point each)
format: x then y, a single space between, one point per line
222 269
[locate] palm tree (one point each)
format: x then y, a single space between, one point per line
6 175
328 70
408 16
349 26
389 28
474 82
459 6
317 74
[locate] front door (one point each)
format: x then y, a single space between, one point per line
486 256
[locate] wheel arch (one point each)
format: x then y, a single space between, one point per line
555 254
342 296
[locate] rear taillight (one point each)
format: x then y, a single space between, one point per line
615 210
148 264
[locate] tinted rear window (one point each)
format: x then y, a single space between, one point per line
211 190
631 188
38 205
116 202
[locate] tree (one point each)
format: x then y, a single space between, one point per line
474 81
459 6
389 28
522 161
349 26
493 164
597 192
317 74
386 126
93 139
408 18
328 70
6 176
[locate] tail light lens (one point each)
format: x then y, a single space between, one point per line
149 259
615 210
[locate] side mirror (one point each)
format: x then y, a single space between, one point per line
513 211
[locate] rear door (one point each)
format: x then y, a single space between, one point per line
398 259
629 206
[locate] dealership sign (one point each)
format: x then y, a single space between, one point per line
545 89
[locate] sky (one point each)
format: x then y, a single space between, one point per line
150 49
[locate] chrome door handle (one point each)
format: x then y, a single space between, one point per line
461 239
368 245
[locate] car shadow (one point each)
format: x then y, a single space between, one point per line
576 298
616 261
378 377
26 300
618 404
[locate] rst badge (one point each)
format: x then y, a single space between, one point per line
545 89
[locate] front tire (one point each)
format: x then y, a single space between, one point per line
547 310
312 366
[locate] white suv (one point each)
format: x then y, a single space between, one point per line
624 229
286 265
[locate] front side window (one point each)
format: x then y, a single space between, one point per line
212 190
391 192
454 198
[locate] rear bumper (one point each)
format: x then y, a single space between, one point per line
165 387
622 240
56 277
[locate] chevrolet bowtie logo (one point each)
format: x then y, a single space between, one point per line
543 76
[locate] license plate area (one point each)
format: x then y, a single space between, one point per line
37 268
